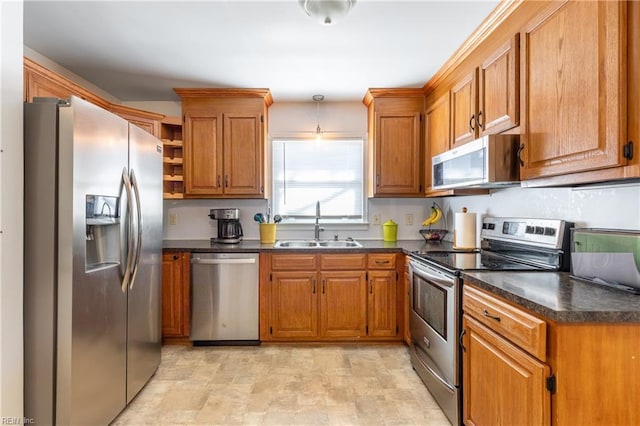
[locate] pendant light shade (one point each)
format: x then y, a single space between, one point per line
326 12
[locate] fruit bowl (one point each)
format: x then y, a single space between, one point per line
433 235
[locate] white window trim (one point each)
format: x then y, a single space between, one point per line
326 223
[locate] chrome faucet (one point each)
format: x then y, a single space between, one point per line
317 228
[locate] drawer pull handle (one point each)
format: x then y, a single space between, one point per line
488 315
382 262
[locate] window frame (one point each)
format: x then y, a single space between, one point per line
332 221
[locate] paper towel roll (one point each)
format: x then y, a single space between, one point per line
464 231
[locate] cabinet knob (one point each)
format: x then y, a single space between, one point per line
176 257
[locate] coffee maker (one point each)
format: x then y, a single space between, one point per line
229 228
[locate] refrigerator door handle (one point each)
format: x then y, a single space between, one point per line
127 271
136 262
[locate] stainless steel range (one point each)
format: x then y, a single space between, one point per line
509 244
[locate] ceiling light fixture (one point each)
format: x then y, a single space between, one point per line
318 99
327 12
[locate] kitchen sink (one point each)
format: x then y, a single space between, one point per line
339 244
302 244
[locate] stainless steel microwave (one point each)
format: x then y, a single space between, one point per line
491 161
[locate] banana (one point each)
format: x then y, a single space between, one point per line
435 216
438 215
431 219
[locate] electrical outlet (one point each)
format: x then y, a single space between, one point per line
376 219
173 218
408 219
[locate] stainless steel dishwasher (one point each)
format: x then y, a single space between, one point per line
224 299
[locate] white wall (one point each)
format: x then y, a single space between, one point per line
11 211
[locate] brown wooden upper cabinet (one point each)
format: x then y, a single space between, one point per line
437 131
574 88
224 142
486 100
395 141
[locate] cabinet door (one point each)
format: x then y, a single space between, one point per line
175 294
343 304
382 320
438 127
463 110
203 155
294 310
502 384
397 153
499 87
243 154
574 88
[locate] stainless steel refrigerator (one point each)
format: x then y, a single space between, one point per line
93 259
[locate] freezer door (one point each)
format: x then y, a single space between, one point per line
91 314
144 292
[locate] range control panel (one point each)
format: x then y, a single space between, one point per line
540 232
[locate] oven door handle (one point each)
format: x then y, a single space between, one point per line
431 370
433 275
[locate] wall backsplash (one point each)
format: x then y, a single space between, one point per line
615 207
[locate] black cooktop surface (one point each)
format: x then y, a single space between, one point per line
477 260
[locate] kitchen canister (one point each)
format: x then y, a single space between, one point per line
464 231
389 231
267 233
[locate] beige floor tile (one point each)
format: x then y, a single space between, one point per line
284 385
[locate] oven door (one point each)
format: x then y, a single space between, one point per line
434 321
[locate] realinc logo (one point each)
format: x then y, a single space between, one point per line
17 421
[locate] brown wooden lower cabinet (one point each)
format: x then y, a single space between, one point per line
175 297
503 385
311 297
525 369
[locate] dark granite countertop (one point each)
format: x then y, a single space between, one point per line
558 297
406 246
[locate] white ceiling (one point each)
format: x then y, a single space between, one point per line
140 50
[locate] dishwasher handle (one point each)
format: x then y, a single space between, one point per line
222 261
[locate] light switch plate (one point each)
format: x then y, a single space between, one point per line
173 218
408 219
376 219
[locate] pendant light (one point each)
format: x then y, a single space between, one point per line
318 99
326 12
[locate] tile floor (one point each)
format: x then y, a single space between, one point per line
284 385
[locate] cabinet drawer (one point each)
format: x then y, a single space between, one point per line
516 325
343 261
293 262
381 261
